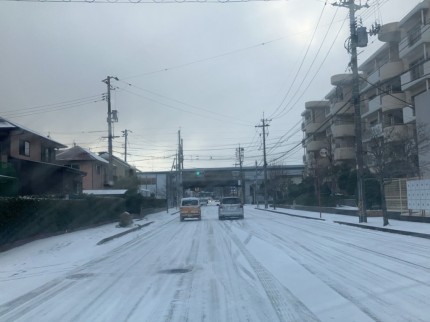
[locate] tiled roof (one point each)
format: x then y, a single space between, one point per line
6 124
78 153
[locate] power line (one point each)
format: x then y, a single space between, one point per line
302 62
53 107
211 112
284 111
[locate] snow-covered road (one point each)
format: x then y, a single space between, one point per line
268 267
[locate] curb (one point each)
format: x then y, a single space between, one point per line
287 214
387 230
105 240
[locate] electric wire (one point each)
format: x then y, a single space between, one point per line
284 111
302 62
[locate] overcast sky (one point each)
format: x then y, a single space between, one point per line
208 69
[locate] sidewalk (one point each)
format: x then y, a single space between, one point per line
375 223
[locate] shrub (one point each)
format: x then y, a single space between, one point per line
125 219
26 218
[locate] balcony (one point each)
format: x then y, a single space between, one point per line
316 104
315 146
341 154
415 76
389 32
373 106
372 132
341 79
396 132
342 130
314 127
417 36
341 108
371 79
393 101
390 70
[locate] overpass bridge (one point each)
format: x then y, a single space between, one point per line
219 181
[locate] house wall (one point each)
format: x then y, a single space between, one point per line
92 180
35 145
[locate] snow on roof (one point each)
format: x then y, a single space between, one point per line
78 153
105 192
6 124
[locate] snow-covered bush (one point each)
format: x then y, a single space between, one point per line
125 219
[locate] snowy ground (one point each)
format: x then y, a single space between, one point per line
268 267
371 221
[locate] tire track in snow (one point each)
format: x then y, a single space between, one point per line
284 303
349 244
19 307
42 295
331 238
298 251
185 284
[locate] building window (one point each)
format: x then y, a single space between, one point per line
98 169
414 34
24 148
46 154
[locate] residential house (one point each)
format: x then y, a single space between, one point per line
91 163
121 169
28 164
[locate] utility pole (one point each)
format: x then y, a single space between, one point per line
240 155
255 184
180 163
264 125
110 119
125 135
362 217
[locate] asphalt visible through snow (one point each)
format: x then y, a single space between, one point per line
267 267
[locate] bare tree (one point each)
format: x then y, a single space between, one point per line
277 181
394 154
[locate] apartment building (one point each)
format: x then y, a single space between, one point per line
394 91
328 126
315 128
414 50
342 129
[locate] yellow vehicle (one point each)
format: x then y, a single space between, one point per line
190 208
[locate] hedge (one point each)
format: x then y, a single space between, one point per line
22 219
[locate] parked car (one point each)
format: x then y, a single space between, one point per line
230 207
190 208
